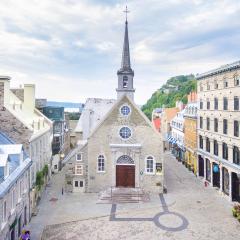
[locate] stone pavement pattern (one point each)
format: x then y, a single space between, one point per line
77 216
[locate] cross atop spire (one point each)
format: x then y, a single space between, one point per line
126 11
125 73
126 64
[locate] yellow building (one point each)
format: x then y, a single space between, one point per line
190 133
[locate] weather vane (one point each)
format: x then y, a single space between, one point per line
126 11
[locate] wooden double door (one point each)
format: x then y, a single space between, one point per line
125 176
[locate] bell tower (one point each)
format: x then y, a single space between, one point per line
125 73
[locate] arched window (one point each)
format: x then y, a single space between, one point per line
236 155
125 160
125 81
101 163
149 167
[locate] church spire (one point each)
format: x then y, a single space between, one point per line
126 64
125 73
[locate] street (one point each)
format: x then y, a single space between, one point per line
188 211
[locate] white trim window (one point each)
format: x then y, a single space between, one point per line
78 169
101 163
149 165
79 157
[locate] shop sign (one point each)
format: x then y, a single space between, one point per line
158 168
215 169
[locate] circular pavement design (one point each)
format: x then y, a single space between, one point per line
170 221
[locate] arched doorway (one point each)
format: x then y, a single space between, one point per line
125 172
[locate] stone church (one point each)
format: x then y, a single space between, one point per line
117 144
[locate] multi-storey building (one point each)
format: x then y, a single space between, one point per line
156 118
218 128
177 135
165 127
24 124
14 188
190 132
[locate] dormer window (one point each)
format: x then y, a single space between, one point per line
236 80
125 81
225 83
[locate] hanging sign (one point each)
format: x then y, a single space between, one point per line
215 169
158 168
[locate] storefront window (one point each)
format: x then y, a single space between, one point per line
225 181
208 170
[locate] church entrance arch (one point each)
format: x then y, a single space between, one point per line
125 172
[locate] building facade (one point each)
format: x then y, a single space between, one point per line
24 124
190 133
14 189
165 127
117 146
156 118
177 136
218 129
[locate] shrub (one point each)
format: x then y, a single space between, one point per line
39 180
236 211
45 170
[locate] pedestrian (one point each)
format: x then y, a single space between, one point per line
62 190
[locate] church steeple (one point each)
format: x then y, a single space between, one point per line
126 64
125 73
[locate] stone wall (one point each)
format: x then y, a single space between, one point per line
108 133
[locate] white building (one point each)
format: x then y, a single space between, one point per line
177 134
24 124
14 189
218 129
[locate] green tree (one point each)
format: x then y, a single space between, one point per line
179 87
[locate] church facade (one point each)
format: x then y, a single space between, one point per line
117 144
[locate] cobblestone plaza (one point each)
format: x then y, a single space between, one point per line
188 211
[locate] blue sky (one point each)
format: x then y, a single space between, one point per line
71 49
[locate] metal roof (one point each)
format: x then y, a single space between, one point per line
14 176
224 68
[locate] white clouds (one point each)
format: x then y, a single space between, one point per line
82 41
105 46
143 53
79 44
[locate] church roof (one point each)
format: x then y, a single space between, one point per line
93 112
114 106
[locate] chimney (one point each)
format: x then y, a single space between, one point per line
29 97
4 91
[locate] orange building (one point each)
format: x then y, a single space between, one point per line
167 115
